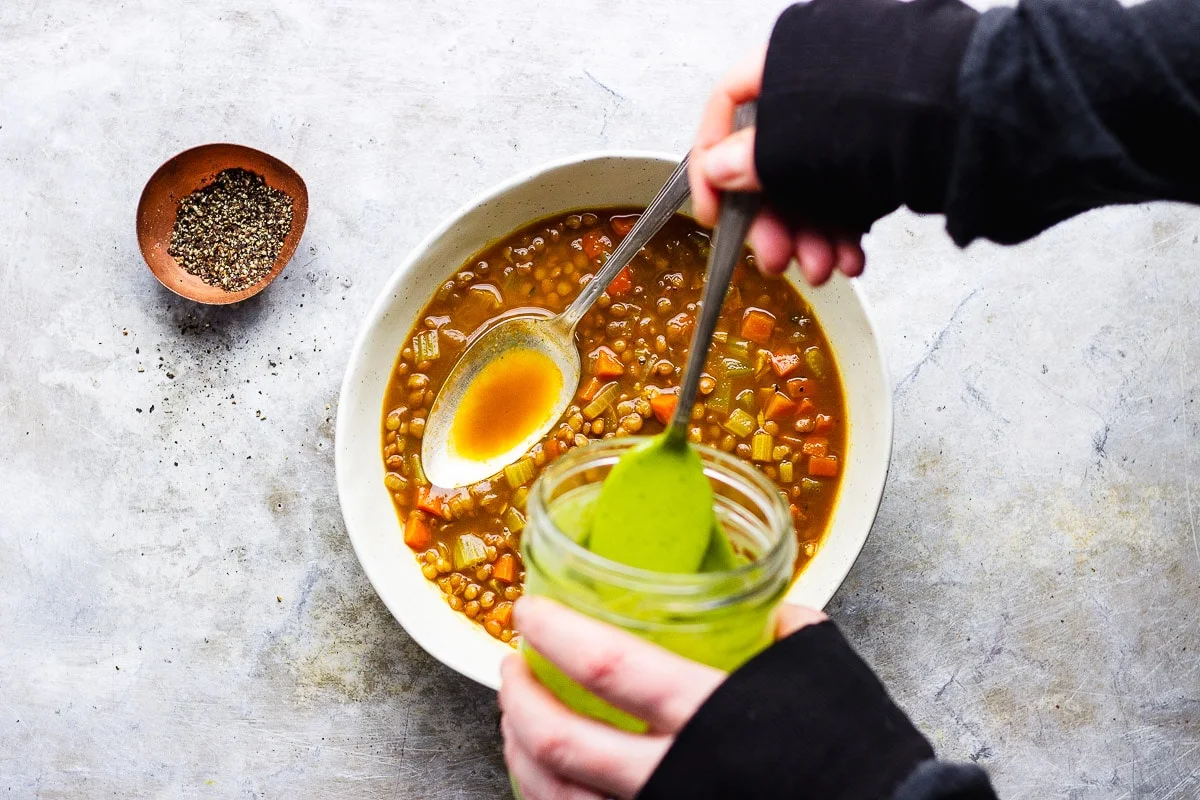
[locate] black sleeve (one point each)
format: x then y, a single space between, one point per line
1007 123
857 111
807 718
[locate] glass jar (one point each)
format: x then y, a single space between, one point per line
717 618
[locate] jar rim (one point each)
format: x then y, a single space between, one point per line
770 505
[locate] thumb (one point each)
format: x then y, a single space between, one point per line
729 164
793 618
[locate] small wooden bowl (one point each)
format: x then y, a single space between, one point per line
194 169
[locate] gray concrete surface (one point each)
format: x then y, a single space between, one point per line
180 611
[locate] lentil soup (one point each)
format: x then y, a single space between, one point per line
770 393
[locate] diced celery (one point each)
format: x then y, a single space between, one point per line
745 400
425 346
513 520
721 399
461 505
761 446
418 472
739 423
469 550
762 363
520 473
739 347
519 497
786 471
604 400
810 486
735 367
816 362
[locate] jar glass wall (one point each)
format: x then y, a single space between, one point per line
717 618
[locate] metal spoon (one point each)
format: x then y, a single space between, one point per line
552 336
737 212
655 509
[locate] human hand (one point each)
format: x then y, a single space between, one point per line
724 161
551 751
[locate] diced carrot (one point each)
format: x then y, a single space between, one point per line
796 387
780 406
807 406
785 364
550 448
417 533
663 406
433 501
596 244
765 393
589 391
824 423
607 364
506 568
823 466
815 446
623 225
758 325
622 283
503 613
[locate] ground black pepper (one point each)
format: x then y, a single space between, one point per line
229 233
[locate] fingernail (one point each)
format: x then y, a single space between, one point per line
519 607
722 163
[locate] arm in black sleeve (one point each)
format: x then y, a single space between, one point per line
807 718
1007 122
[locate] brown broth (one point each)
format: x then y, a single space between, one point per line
770 383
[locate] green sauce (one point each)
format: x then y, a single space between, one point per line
655 510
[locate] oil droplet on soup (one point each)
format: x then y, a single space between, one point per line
510 397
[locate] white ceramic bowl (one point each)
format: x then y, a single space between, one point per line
585 181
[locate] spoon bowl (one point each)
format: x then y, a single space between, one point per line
445 463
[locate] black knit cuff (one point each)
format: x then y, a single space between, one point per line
805 718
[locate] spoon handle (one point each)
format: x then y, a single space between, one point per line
664 205
737 212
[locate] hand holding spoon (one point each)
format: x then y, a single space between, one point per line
655 509
544 343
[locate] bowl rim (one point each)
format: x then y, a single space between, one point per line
820 594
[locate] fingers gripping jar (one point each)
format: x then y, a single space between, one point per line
718 618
